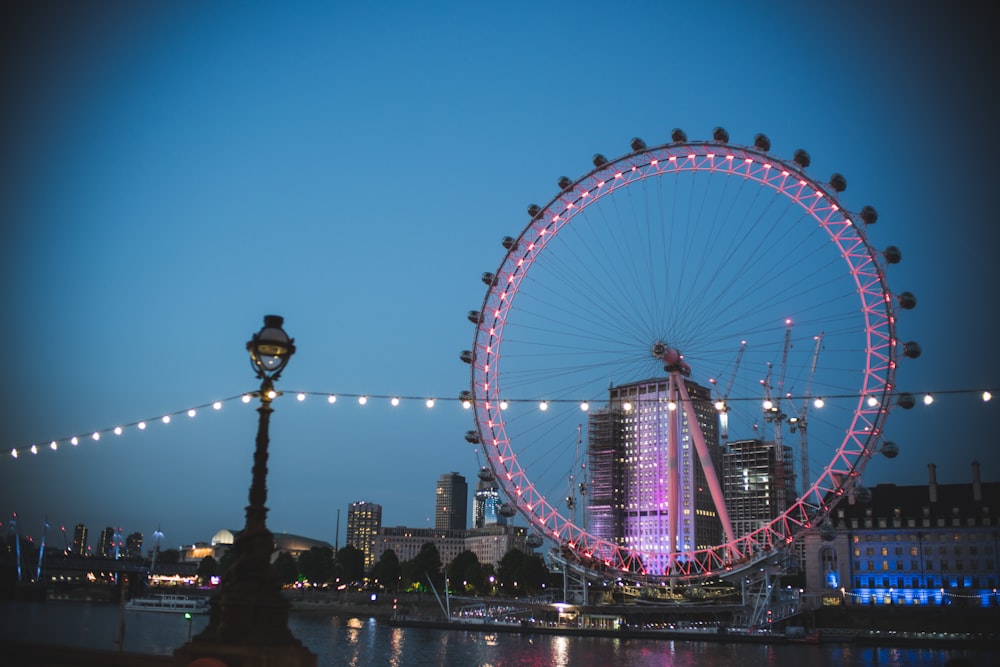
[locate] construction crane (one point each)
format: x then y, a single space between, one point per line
720 404
799 422
571 495
772 406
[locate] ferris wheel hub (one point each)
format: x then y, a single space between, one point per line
673 360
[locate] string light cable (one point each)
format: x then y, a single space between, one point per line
904 399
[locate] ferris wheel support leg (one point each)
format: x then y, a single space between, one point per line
706 462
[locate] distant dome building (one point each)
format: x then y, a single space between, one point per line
297 544
223 537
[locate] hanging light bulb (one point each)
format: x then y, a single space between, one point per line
362 400
430 403
585 406
987 397
301 396
331 399
928 399
543 406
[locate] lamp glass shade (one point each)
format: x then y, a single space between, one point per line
271 347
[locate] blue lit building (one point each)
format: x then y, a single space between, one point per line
910 545
486 505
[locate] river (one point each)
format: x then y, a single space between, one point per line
360 642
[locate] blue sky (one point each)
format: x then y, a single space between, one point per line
173 171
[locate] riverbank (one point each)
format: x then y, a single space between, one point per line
817 636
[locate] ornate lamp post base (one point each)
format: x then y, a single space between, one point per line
234 655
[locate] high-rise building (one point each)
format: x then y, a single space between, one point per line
451 502
106 543
758 481
80 540
627 449
133 546
364 521
486 505
606 455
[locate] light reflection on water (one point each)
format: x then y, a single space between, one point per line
363 642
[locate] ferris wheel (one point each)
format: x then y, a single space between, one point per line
671 303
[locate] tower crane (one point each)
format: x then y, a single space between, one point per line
571 496
799 422
720 404
772 407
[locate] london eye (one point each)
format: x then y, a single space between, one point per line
669 303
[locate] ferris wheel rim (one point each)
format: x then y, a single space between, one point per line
861 436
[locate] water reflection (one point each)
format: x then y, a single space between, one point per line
359 642
396 647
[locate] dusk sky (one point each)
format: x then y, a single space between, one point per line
170 172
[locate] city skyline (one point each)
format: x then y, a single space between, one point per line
173 172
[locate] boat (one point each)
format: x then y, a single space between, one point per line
176 604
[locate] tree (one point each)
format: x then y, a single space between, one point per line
207 568
427 563
316 565
226 560
171 556
520 572
466 572
350 564
387 571
287 568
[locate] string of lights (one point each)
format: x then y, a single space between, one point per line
923 594
394 400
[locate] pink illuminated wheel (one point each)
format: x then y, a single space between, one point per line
755 281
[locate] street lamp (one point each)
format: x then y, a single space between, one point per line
249 616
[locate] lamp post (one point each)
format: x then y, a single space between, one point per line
248 618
